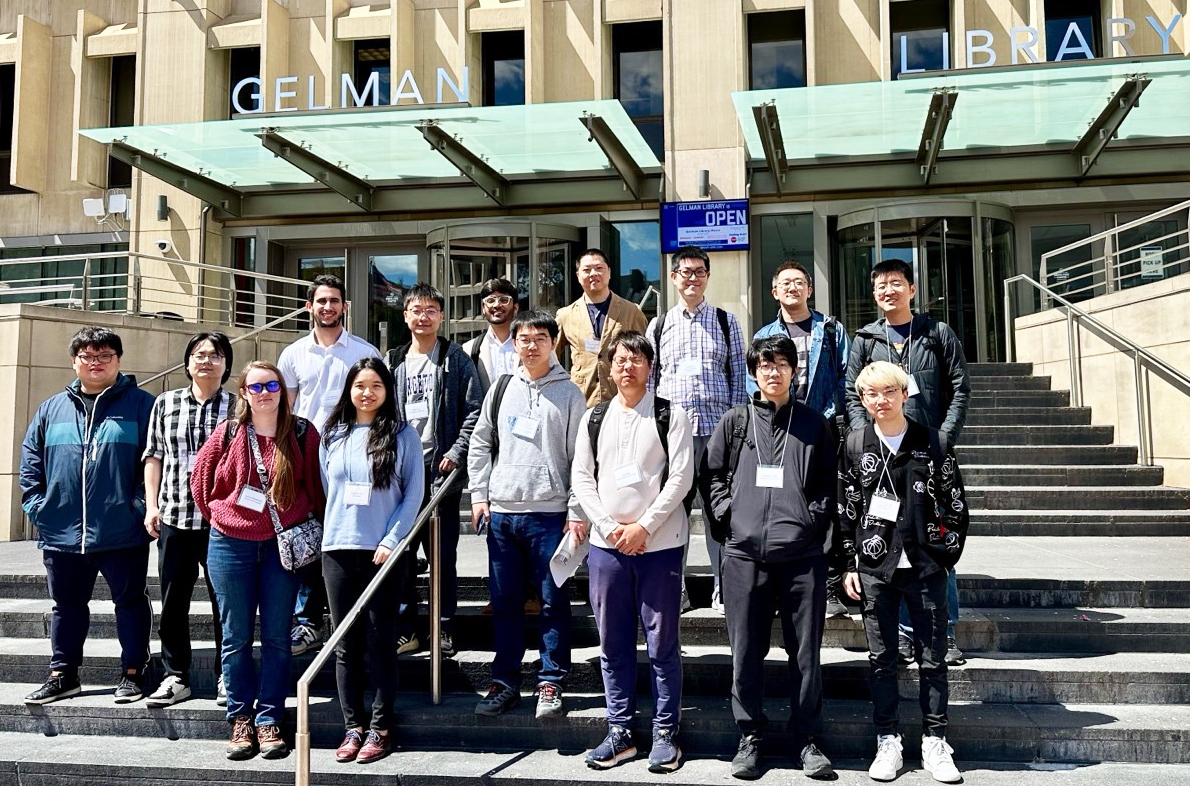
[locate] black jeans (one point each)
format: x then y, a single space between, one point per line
448 544
369 641
179 554
926 601
71 578
752 591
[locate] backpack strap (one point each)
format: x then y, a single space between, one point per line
657 328
443 349
736 440
855 446
229 433
661 416
594 424
497 398
725 327
476 346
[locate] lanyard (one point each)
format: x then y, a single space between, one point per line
784 442
908 345
886 453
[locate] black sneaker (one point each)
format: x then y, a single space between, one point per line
447 643
904 649
665 756
616 747
815 764
954 655
746 764
500 698
130 688
57 686
835 606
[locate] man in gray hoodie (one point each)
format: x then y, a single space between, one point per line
519 466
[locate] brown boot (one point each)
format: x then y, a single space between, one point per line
271 744
243 739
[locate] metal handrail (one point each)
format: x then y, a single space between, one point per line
428 513
1143 361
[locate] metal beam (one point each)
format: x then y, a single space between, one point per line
471 165
768 123
1105 127
357 190
227 199
617 155
934 131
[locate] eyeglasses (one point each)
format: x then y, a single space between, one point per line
256 388
797 283
102 357
689 273
497 300
765 369
207 357
528 341
418 313
888 394
632 360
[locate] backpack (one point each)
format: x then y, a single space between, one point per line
855 446
720 315
497 396
735 445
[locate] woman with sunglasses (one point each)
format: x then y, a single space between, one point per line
264 439
372 471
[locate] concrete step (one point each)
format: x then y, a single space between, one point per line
1044 454
1076 523
1081 498
1057 475
1030 416
1000 369
998 382
1037 435
982 398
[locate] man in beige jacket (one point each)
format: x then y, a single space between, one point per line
589 325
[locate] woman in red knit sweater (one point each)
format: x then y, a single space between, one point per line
242 556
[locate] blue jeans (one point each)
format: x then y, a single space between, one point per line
520 545
248 576
952 608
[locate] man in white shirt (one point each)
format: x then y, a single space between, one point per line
493 352
630 483
314 369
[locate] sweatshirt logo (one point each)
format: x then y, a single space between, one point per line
874 547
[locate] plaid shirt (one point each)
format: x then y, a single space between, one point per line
178 427
708 395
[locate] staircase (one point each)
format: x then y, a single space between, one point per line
1074 595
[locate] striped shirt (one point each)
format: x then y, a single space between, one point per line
178 426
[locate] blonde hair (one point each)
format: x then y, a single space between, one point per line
879 375
283 483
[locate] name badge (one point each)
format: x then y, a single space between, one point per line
191 461
417 410
525 426
883 506
689 367
251 498
358 494
912 386
591 345
329 400
770 476
627 475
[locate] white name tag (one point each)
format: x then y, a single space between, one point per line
358 494
417 410
627 475
251 498
525 426
329 400
689 367
912 386
191 460
770 476
591 345
884 507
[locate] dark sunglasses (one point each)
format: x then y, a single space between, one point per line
256 388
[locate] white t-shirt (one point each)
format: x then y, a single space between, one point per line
317 374
893 443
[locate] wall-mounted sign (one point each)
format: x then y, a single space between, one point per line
1152 262
713 226
284 95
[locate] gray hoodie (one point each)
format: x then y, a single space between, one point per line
532 473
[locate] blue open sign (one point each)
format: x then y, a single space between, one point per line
712 226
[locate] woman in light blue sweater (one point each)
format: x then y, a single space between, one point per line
372 471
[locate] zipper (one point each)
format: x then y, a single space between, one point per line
86 452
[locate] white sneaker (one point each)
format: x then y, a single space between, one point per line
170 691
935 758
220 693
888 760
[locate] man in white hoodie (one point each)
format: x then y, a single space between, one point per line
633 465
519 466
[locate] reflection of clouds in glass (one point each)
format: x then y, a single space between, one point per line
510 82
640 83
638 236
399 268
640 248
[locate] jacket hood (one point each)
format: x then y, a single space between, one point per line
123 382
876 329
555 374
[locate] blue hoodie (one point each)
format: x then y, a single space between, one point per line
85 490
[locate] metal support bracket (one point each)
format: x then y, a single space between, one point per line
768 123
357 190
227 199
1105 127
934 131
474 168
617 155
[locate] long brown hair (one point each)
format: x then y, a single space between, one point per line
283 485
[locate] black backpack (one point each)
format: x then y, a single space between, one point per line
735 445
720 315
497 397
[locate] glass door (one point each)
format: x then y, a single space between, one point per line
390 274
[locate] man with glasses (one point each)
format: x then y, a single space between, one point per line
821 379
438 393
82 486
700 366
180 423
314 369
588 325
493 352
771 477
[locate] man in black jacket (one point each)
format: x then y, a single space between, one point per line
769 476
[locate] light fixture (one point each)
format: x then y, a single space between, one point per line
704 183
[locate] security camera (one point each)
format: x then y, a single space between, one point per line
164 246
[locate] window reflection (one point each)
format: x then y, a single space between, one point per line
776 45
640 264
504 68
637 60
920 36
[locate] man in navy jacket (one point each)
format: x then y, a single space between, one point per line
82 485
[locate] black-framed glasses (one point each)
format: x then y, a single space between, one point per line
102 357
256 388
692 272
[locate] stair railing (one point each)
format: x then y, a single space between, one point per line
429 513
1143 362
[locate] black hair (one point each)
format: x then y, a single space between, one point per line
221 344
497 286
536 319
635 342
769 349
96 338
792 264
382 437
893 266
689 252
422 291
591 252
326 280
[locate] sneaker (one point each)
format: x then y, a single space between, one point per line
904 649
170 691
408 643
616 747
423 566
835 606
130 688
532 607
815 764
746 764
348 749
549 700
936 760
268 737
954 655
665 756
888 761
686 604
57 686
220 693
447 643
717 602
243 739
376 747
500 698
303 638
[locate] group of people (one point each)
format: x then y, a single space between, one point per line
824 467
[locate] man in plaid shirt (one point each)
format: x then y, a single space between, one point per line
180 423
700 366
